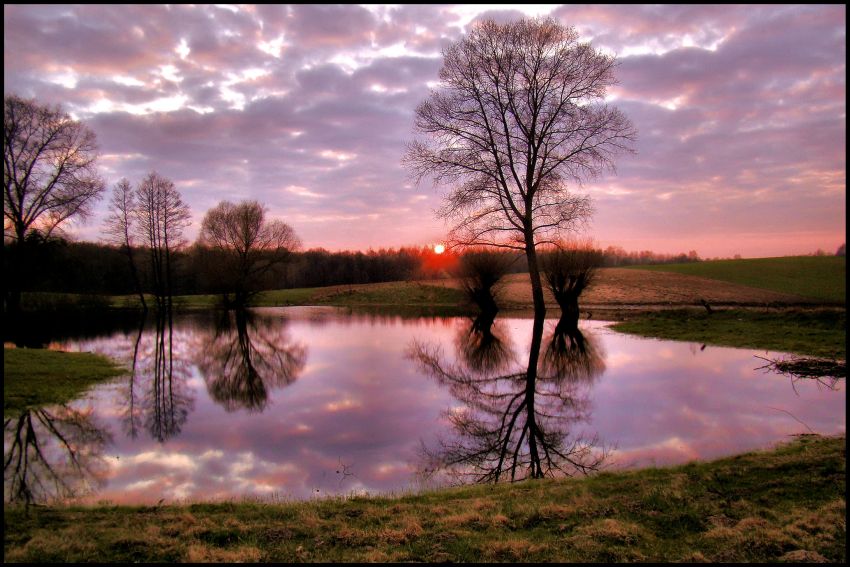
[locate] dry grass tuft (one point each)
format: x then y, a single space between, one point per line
198 553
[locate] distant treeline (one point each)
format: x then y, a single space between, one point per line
93 268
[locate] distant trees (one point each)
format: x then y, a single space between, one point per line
518 116
842 250
246 245
49 176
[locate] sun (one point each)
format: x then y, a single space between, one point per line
439 249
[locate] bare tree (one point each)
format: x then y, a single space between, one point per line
160 215
119 228
49 176
518 117
49 170
249 245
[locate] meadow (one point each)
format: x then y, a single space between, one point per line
786 504
811 277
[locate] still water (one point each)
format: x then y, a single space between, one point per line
294 403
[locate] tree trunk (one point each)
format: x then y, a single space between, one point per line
534 354
569 309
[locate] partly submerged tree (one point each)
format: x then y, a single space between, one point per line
519 116
248 244
481 272
568 271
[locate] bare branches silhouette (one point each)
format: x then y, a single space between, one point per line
514 422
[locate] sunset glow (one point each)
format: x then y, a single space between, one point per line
439 249
740 112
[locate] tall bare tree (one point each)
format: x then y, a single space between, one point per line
119 228
49 176
49 172
518 117
248 243
160 216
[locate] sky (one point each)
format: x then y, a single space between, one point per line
740 112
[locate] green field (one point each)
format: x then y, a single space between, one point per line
816 277
36 377
786 504
404 293
819 333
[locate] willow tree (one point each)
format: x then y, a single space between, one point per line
518 119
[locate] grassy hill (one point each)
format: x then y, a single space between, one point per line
816 277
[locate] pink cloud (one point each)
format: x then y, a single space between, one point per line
740 112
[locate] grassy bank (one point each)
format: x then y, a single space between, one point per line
35 377
816 277
810 332
380 294
786 504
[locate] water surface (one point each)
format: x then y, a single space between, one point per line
304 402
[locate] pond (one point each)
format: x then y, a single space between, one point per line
295 403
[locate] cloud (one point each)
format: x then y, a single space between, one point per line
740 112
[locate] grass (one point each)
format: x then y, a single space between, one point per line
816 277
787 504
403 293
36 377
819 333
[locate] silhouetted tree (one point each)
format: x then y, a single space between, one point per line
568 271
248 245
519 115
49 176
480 272
842 250
119 228
160 218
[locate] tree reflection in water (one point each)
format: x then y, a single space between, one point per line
484 346
515 424
52 453
158 398
248 355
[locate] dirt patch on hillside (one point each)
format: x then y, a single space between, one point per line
620 286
